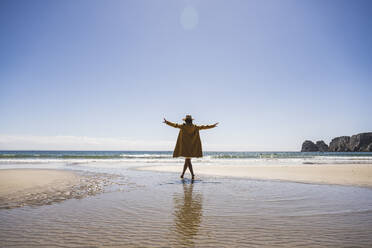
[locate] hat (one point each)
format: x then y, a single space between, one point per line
188 117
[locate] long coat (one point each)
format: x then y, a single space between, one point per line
188 141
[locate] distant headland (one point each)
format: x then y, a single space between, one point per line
361 142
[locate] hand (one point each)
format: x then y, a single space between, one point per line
165 121
215 124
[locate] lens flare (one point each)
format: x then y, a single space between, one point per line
189 18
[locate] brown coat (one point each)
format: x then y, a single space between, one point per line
188 141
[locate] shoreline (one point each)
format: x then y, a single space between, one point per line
359 175
37 187
13 181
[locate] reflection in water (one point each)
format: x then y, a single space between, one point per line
187 214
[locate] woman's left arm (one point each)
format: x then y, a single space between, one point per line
207 126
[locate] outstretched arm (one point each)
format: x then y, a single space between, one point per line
171 124
207 126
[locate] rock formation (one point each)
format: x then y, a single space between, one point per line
361 142
322 146
340 144
369 148
309 146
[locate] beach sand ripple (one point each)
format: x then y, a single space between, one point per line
26 187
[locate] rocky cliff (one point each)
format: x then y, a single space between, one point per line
357 143
322 146
340 144
361 142
309 146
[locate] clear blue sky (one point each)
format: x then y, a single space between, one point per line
273 73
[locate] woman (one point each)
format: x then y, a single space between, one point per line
188 142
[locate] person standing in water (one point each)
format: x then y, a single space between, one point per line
188 142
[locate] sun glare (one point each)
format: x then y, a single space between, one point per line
189 18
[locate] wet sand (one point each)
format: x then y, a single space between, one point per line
22 181
345 174
37 187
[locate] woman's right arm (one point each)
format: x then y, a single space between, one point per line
171 124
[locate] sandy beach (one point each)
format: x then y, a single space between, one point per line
26 181
345 174
37 187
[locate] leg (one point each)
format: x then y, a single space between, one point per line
184 168
190 168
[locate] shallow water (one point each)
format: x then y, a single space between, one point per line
159 210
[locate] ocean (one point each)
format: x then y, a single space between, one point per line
165 157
